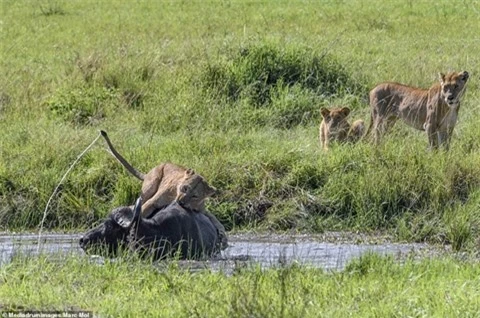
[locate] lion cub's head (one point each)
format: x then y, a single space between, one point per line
453 87
335 122
193 190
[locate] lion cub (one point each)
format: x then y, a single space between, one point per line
335 127
167 183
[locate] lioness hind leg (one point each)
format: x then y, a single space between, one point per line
376 122
151 183
383 126
377 130
390 123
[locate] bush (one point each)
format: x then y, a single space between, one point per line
257 71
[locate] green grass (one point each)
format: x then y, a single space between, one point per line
371 286
233 89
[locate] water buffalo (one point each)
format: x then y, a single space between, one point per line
172 231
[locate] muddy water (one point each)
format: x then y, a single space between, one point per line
247 249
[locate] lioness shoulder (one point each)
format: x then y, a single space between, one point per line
167 183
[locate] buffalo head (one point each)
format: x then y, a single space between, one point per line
111 235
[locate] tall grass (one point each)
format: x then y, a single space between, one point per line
369 286
233 90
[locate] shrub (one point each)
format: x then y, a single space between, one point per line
256 71
51 7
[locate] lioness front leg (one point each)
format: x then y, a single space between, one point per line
324 140
444 139
431 128
433 137
154 203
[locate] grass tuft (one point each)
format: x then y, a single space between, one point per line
259 71
51 8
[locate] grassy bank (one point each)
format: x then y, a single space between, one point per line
233 89
369 287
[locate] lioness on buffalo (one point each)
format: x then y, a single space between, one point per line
335 127
172 231
433 110
167 183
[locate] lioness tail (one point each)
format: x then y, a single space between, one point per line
122 160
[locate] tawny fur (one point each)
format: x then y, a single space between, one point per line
167 183
434 110
335 127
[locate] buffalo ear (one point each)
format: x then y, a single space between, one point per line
324 111
464 76
123 217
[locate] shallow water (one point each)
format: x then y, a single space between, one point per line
247 249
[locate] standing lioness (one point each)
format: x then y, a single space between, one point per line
167 183
434 110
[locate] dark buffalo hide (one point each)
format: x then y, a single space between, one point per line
172 231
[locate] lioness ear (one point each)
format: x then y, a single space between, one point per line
189 172
441 77
324 111
464 76
345 111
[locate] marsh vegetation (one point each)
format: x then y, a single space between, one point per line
234 89
236 97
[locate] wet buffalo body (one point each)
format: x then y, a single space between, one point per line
171 232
